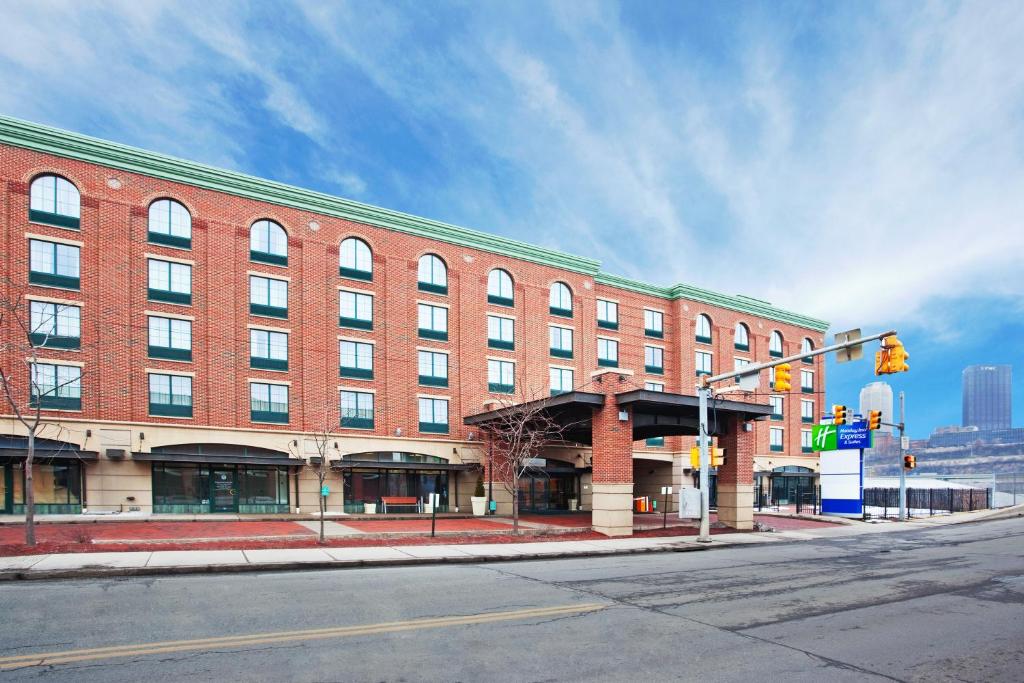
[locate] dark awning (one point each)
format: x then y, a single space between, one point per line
657 413
13 448
215 459
377 465
575 409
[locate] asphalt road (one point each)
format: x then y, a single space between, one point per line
939 604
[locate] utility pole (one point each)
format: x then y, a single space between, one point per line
903 470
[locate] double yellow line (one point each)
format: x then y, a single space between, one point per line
142 649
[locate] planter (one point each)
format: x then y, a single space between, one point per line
572 504
428 508
479 505
370 508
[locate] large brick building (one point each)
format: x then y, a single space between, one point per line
194 327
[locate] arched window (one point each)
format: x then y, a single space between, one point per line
54 201
806 347
742 341
268 243
703 329
560 300
433 275
775 344
170 223
499 288
355 259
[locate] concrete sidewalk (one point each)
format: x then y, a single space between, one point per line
82 565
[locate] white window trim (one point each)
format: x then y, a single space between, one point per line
173 316
176 373
432 350
489 314
58 240
267 328
54 300
562 367
438 304
358 390
355 290
260 380
357 340
563 327
606 338
503 360
171 259
436 397
604 298
655 346
54 361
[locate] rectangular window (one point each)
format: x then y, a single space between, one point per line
654 360
807 381
655 386
357 409
57 387
268 402
268 297
561 380
433 369
607 353
805 441
560 341
654 323
607 314
268 350
170 282
501 376
356 359
500 333
739 364
54 265
170 395
434 415
355 310
775 436
771 378
776 404
703 362
433 322
170 338
57 326
806 411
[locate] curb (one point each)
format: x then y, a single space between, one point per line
109 572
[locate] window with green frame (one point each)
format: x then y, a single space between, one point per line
54 201
499 288
776 404
561 380
56 487
806 411
56 387
170 282
356 359
607 353
741 341
775 439
560 341
501 376
806 381
355 310
268 402
432 275
560 300
656 441
433 415
654 360
654 323
355 260
268 297
702 360
775 344
607 314
500 332
806 444
356 409
170 395
54 265
170 338
433 322
170 224
56 326
703 329
268 243
268 350
433 368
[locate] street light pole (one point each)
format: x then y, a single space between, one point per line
903 470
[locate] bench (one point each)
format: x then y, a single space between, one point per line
400 501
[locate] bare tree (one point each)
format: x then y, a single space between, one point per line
523 427
322 438
23 389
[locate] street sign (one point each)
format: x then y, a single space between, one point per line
850 352
841 437
905 442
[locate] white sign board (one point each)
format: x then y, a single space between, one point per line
689 503
842 480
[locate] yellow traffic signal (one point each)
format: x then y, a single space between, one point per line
881 362
909 462
782 377
892 358
874 419
839 414
717 457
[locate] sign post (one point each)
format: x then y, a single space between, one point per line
667 492
435 500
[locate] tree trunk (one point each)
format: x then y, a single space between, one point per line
515 506
29 492
323 507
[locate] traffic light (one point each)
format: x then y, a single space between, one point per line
892 358
782 377
839 414
874 419
882 362
717 456
909 462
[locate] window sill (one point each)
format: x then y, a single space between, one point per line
272 259
433 428
355 373
45 341
355 323
170 240
268 311
654 370
561 353
560 312
776 449
433 334
182 412
268 364
703 340
500 388
601 362
605 324
500 301
432 288
429 381
356 423
654 333
499 344
169 297
55 220
51 280
167 353
353 274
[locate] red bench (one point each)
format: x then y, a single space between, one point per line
400 501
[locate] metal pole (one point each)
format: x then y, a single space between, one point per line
903 470
490 475
704 393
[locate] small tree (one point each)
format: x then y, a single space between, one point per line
322 438
523 427
479 492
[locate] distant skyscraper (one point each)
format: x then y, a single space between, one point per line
878 396
987 397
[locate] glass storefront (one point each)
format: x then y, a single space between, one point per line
376 480
548 488
791 483
198 488
57 488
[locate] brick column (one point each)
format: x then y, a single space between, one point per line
612 486
736 476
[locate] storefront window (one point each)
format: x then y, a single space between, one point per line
263 486
52 485
181 488
369 486
176 485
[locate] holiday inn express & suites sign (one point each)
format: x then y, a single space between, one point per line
841 437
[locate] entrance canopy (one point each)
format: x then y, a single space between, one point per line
655 413
16 448
218 454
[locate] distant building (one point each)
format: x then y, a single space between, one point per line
878 396
986 397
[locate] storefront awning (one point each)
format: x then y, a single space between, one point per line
15 448
377 465
214 459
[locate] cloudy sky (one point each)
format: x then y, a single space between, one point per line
857 162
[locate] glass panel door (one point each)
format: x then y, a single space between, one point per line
225 490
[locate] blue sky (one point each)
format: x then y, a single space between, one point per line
858 162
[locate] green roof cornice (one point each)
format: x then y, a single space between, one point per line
46 139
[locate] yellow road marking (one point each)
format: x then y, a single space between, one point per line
70 656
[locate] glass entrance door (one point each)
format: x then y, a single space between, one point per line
225 490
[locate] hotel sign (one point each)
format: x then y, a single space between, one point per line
841 437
